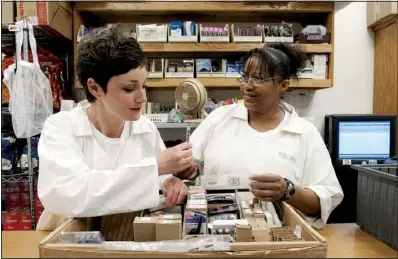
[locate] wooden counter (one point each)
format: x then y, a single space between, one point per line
344 240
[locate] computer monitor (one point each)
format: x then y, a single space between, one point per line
360 137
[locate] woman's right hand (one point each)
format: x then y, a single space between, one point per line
175 159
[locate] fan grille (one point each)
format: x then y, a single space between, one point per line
188 96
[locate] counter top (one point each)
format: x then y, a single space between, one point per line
344 240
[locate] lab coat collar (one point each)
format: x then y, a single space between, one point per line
294 125
83 125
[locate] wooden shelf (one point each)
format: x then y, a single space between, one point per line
222 47
233 83
210 6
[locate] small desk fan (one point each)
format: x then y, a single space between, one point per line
191 97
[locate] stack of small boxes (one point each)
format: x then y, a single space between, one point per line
195 216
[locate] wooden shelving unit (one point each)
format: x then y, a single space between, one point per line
210 6
305 13
233 83
222 47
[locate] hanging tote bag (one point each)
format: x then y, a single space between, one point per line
30 92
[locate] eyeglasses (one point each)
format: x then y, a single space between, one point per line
255 80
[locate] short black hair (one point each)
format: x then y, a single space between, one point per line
281 60
106 52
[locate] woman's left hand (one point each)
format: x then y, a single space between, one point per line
268 187
174 190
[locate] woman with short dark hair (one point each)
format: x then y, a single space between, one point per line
103 157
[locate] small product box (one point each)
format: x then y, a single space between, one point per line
196 193
145 229
185 31
151 32
179 68
214 32
278 32
211 67
246 32
155 68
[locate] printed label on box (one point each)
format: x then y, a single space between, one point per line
168 216
197 202
197 206
167 221
145 219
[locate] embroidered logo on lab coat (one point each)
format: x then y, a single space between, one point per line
288 157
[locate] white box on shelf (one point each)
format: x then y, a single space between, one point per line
232 75
152 32
155 68
208 68
182 68
278 39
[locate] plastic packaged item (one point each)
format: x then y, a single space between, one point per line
200 243
176 28
220 199
195 223
89 237
226 216
209 106
31 100
175 116
226 227
189 28
203 65
233 208
285 30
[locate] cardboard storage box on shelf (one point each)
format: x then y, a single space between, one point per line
262 246
7 12
55 17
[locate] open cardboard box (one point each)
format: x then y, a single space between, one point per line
313 246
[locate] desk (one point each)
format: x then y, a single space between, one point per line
344 240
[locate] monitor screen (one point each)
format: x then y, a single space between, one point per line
364 139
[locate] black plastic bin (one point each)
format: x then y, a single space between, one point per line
377 202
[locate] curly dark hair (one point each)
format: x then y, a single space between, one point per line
107 52
282 60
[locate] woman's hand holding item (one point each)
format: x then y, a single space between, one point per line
174 190
175 159
268 187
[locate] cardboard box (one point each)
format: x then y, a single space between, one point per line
145 229
314 246
243 233
56 17
197 206
247 213
196 193
168 229
7 12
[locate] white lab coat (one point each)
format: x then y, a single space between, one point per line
231 150
77 178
